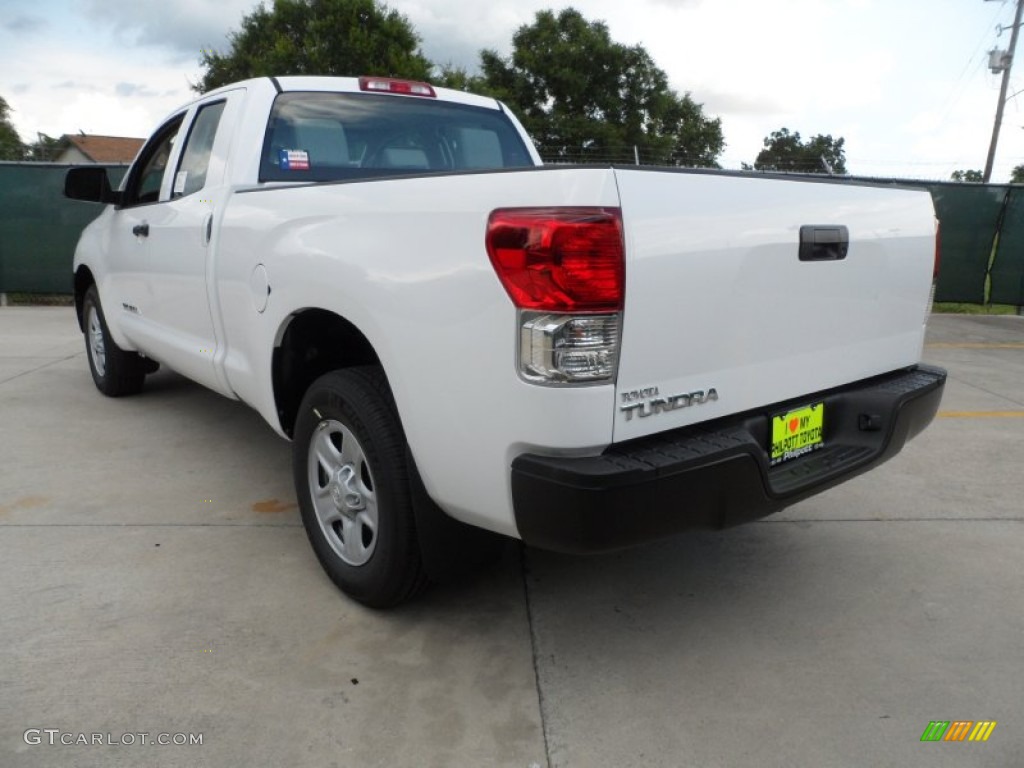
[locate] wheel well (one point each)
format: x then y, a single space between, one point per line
83 279
315 342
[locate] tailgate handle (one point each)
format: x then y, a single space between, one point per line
824 243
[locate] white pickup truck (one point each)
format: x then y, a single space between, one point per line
459 341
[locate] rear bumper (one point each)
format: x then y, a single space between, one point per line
716 474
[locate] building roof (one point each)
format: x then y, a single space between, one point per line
106 149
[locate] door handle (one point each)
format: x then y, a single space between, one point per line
829 243
141 230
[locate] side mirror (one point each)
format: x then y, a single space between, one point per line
89 184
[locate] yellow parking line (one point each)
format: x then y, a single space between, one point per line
981 414
975 345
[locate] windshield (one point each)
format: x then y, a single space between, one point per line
333 136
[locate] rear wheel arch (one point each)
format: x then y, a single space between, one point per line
315 348
309 344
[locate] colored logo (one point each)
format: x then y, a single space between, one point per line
958 730
294 160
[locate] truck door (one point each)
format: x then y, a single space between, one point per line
174 319
125 286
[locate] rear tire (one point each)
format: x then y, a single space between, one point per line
352 483
114 371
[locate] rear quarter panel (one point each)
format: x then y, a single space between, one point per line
405 261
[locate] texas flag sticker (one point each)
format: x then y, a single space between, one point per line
294 160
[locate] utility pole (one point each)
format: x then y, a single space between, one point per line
1002 95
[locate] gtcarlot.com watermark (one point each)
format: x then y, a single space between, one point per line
56 737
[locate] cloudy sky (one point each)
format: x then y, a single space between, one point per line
905 82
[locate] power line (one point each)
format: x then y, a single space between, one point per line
956 92
1002 94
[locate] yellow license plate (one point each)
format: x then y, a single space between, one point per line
797 433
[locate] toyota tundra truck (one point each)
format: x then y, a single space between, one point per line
461 342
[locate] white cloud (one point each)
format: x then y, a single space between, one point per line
454 31
186 26
104 115
74 89
904 81
24 23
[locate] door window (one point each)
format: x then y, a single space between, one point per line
195 157
146 177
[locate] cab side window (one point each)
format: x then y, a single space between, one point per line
144 181
195 157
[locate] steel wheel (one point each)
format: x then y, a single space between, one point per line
352 485
342 489
114 371
96 345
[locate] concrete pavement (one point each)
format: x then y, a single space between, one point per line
155 578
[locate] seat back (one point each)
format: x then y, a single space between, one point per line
323 140
404 157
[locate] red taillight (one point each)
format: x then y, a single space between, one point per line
559 259
391 85
938 249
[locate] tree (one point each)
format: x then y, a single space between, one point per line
975 176
1017 176
44 148
579 93
458 78
317 37
785 151
11 147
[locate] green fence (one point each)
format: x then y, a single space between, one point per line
1007 272
982 234
982 243
969 216
39 226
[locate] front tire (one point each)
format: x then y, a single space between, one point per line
352 483
114 371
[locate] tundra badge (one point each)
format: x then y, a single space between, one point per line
648 401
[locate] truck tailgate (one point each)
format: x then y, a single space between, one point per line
717 296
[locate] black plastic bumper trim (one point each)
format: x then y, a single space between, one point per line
716 474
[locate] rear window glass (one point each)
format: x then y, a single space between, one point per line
333 136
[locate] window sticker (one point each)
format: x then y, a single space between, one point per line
294 160
179 183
